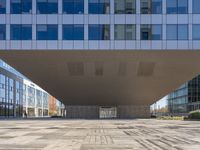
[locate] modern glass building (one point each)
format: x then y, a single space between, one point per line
133 40
186 98
99 24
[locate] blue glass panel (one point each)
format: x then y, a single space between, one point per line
156 32
104 32
196 32
52 32
182 32
26 32
42 7
182 6
26 6
172 32
78 6
2 6
52 6
42 32
15 6
68 32
78 32
93 32
2 31
196 6
15 32
171 6
93 7
156 6
68 6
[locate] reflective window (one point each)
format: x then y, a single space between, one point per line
196 6
196 32
125 32
177 32
20 6
99 6
151 32
125 7
177 6
47 32
2 6
73 6
2 32
73 32
156 7
47 6
20 32
99 32
151 6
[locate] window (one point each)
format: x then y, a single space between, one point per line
151 32
177 6
73 6
196 32
47 6
73 32
99 6
20 32
177 32
2 6
125 7
2 32
196 6
125 32
99 32
156 7
20 6
47 32
151 6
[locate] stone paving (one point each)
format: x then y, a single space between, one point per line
139 134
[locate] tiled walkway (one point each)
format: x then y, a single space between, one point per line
99 135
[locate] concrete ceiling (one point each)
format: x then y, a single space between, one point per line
106 77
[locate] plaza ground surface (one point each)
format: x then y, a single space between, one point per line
141 134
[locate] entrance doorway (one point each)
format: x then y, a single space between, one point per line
107 112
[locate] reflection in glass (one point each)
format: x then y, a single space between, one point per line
125 32
2 6
99 32
47 32
196 32
177 32
125 7
151 32
177 6
20 6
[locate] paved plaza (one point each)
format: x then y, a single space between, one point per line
141 134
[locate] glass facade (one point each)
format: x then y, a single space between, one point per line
47 32
20 6
73 6
47 6
177 6
2 6
151 6
196 6
2 31
10 94
73 32
177 32
125 32
125 7
196 32
98 6
20 32
99 32
151 32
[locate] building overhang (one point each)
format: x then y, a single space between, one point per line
100 77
